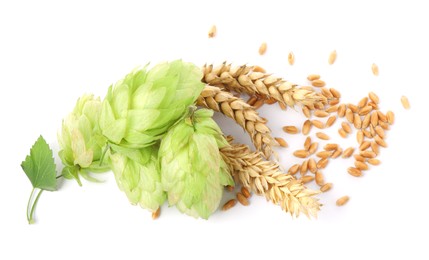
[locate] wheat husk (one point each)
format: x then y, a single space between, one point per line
243 79
265 178
244 114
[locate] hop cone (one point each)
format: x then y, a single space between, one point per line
80 140
192 170
139 109
137 174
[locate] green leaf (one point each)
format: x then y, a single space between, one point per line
39 166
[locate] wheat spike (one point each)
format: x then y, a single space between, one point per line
244 114
265 178
243 79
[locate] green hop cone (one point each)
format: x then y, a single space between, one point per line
192 170
80 140
139 109
140 178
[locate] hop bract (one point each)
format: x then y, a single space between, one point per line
81 141
138 176
192 170
140 108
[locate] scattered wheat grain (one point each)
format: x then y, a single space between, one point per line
342 201
405 102
374 69
263 48
229 204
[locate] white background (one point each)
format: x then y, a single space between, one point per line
52 52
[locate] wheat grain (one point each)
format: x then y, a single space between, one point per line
326 187
313 148
361 165
307 143
346 127
337 153
342 201
304 168
374 161
242 199
354 172
229 204
322 136
362 102
156 213
332 57
320 180
307 178
318 124
332 109
374 69
324 154
380 132
353 108
348 152
312 77
359 158
245 192
335 93
305 111
367 120
262 48
360 136
357 122
331 120
364 145
306 127
322 163
312 165
291 129
281 142
390 117
291 58
405 102
375 148
368 154
365 110
349 115
374 119
301 153
294 169
341 110
318 83
321 113
212 31
330 147
374 98
380 141
342 133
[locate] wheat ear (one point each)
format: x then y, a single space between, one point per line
244 114
243 79
265 178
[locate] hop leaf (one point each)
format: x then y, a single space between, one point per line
140 108
193 172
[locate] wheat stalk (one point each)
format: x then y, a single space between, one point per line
265 178
243 79
244 114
